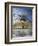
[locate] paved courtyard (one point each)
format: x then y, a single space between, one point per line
21 32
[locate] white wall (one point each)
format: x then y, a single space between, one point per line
2 31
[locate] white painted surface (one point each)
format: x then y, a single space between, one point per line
2 29
37 22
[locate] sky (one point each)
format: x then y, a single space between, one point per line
16 11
